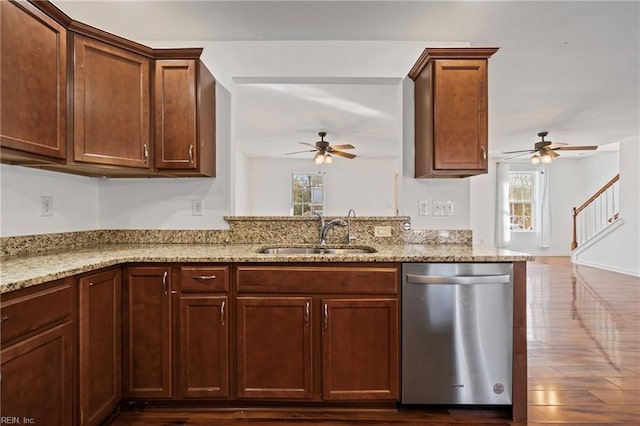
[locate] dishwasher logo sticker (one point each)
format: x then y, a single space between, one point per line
498 388
457 385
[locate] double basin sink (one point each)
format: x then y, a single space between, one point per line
317 250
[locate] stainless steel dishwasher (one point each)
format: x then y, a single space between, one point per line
457 323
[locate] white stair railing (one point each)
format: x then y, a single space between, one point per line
597 213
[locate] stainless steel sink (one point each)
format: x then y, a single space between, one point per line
316 250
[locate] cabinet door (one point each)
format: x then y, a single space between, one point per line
175 114
37 378
204 347
100 317
146 348
360 349
460 115
33 99
184 101
274 358
111 105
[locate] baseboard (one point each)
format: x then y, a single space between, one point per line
550 254
607 268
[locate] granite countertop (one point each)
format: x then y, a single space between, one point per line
24 271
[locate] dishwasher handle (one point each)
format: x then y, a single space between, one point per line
458 279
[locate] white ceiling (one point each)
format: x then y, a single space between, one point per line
571 68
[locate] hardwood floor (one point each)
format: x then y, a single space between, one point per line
584 363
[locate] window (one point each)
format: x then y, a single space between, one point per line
307 194
521 200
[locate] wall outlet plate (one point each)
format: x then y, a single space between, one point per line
382 231
197 208
46 205
423 208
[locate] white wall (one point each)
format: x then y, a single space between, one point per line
366 185
75 202
620 249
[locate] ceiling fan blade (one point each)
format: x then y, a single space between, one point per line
522 150
555 145
308 144
577 148
299 152
345 146
343 154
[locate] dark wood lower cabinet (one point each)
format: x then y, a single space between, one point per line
360 349
147 331
274 347
204 347
100 341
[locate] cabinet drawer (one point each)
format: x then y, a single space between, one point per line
362 279
23 314
204 278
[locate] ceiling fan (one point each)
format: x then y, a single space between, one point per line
324 150
545 151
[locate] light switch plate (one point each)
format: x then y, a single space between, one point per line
423 208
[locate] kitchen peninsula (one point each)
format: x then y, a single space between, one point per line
138 304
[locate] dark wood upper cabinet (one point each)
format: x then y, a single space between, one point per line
451 97
33 99
80 100
111 105
184 118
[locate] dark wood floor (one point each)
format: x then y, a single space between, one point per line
584 363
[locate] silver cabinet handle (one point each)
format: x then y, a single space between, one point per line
191 153
326 315
307 314
3 319
222 316
204 277
484 154
146 151
164 282
458 279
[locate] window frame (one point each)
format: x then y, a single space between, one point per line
310 203
533 200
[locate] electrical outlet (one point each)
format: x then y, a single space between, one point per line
449 208
438 208
46 205
423 208
382 231
197 208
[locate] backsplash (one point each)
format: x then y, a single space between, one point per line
242 230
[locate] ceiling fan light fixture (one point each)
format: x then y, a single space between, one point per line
328 159
318 158
546 158
535 159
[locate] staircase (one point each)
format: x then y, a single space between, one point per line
597 214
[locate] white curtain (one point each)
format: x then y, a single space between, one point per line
503 217
545 206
